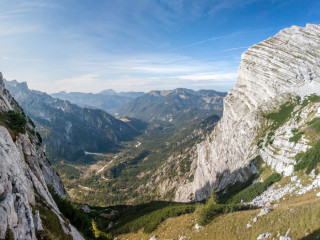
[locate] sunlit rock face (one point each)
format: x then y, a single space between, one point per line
288 63
24 175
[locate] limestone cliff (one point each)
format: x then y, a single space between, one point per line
270 72
26 205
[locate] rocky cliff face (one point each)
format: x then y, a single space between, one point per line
26 205
270 72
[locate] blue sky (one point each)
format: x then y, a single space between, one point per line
137 45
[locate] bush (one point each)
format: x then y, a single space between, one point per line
9 235
44 235
295 138
232 190
280 117
254 190
311 98
315 124
99 234
309 159
207 212
77 218
149 216
17 121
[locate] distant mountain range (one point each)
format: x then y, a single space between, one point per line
106 100
174 106
69 130
111 92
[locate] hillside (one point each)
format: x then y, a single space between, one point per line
68 131
106 100
295 217
177 106
27 208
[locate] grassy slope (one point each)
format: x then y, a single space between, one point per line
300 214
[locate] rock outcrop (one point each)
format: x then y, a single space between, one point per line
24 174
285 65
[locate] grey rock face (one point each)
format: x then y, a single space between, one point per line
24 174
284 64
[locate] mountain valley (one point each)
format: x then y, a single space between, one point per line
68 131
122 170
174 164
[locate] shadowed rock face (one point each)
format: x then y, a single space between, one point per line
269 71
24 175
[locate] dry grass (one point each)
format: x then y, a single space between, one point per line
301 214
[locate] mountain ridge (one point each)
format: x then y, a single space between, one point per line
106 100
174 106
67 129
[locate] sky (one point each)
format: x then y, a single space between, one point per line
137 45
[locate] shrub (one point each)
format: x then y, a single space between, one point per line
294 131
280 117
308 160
315 124
208 211
9 235
52 226
311 98
295 138
79 219
149 216
17 121
232 190
99 234
254 190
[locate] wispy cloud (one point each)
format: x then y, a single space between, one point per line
214 38
236 48
199 42
215 76
9 29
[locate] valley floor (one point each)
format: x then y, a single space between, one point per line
299 216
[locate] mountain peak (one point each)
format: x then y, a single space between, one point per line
108 92
270 72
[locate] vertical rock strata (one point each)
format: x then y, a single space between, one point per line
268 73
24 175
